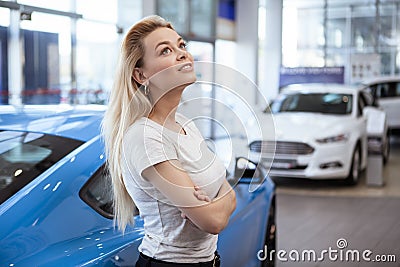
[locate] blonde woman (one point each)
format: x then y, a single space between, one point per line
157 158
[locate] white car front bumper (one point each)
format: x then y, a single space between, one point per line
319 161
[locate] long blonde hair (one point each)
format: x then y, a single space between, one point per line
127 103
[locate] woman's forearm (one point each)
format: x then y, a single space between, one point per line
177 186
217 212
225 202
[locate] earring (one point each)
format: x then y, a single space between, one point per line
146 90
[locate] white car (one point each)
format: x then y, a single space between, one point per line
386 94
321 132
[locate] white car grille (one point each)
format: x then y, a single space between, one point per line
281 148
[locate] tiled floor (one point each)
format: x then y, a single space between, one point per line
317 223
314 215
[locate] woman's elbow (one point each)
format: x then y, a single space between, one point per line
216 226
220 222
215 223
233 202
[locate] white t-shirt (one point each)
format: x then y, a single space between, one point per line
168 236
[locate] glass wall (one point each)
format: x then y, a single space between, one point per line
194 19
61 5
95 35
4 17
362 35
68 51
175 11
4 23
45 57
202 20
197 100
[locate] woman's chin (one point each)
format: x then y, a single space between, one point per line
185 79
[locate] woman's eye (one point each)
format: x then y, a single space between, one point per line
165 51
183 45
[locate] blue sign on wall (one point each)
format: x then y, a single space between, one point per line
311 75
226 9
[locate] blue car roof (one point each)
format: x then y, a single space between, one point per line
81 122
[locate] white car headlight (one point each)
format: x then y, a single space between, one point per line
332 139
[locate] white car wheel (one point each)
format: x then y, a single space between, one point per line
355 167
386 150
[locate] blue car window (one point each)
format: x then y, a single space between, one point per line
26 155
97 193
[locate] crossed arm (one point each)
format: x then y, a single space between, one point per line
172 181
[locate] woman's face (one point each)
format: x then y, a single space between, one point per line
166 62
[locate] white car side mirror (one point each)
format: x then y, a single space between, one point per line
376 121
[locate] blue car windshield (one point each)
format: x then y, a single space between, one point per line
25 155
326 103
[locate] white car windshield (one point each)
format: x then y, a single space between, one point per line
326 103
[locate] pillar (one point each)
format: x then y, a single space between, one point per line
272 48
14 60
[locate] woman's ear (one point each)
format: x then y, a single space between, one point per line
138 76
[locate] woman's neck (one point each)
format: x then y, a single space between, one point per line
164 109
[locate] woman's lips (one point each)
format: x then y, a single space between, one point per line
186 67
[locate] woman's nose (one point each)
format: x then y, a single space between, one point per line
182 54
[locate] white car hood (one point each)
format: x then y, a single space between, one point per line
303 127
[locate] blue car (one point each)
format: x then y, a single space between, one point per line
55 202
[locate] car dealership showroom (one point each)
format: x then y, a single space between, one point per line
296 103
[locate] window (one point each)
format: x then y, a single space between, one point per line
4 17
336 27
97 193
305 46
3 62
355 31
173 10
363 28
24 156
329 103
95 72
202 18
61 43
199 94
62 5
98 10
195 18
361 104
391 89
47 61
387 30
96 35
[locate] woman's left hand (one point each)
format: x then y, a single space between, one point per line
201 194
